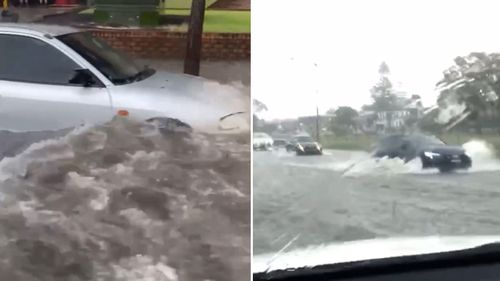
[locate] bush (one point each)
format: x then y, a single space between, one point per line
150 18
101 16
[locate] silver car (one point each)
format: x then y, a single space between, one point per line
54 77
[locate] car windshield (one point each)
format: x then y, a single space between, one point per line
117 67
406 114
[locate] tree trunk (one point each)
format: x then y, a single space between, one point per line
195 32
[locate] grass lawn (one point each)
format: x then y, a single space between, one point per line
184 4
222 21
362 142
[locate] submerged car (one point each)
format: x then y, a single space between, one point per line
433 152
54 77
304 145
262 141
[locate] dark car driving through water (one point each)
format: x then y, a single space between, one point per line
433 152
304 145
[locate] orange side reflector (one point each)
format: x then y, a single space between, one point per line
123 112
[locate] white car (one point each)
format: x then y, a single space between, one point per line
262 141
54 77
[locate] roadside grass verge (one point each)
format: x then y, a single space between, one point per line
221 21
217 21
359 142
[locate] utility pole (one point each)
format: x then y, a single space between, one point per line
317 123
5 8
5 15
317 110
195 32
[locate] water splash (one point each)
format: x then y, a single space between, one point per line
483 156
384 167
481 152
118 202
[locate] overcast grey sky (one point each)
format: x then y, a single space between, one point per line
349 39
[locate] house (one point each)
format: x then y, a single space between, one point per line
392 120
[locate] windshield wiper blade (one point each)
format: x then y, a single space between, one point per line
484 254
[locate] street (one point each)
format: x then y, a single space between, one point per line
346 195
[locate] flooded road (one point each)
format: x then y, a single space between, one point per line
346 195
122 201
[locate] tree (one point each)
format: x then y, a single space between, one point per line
474 80
258 107
344 120
383 95
195 32
346 116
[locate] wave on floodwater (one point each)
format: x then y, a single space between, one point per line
123 201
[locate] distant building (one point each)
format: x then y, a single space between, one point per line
392 120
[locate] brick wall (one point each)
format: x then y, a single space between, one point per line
157 44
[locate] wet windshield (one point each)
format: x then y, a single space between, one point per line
407 112
117 67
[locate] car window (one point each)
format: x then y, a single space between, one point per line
114 65
28 59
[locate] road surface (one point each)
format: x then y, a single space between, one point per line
346 195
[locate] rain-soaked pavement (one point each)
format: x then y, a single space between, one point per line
346 195
122 201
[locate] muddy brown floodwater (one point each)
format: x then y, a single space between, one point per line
124 202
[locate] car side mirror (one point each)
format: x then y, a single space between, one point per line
83 77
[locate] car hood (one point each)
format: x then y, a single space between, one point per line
307 144
366 250
445 149
194 100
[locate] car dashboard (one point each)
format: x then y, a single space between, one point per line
477 264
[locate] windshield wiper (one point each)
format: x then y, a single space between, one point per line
141 74
485 254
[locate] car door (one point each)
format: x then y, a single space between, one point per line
36 92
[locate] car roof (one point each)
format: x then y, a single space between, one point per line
37 29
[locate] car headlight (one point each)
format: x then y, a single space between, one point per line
431 155
318 146
299 146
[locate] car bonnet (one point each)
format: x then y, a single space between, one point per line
197 101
